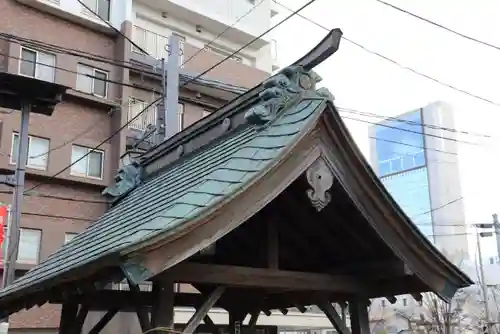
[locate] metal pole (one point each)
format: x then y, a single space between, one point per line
6 243
172 87
161 109
496 226
483 282
22 159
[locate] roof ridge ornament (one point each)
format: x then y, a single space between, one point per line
127 178
283 90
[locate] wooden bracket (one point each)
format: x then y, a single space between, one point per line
99 326
202 311
334 317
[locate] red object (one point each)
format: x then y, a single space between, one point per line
3 223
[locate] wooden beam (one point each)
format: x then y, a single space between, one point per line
334 317
272 245
103 322
68 316
253 320
141 311
80 319
358 312
265 278
162 312
104 300
202 311
210 324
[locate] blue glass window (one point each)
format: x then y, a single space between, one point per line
400 144
410 190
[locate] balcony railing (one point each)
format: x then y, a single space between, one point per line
154 44
146 118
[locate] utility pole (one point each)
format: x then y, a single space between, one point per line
17 197
496 226
484 287
27 95
167 117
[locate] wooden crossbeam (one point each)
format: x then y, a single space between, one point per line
99 326
198 273
334 317
202 311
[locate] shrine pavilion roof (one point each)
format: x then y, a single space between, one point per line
283 135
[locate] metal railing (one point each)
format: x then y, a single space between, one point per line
153 43
146 118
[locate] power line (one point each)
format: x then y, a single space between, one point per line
35 44
439 25
296 12
115 29
395 62
70 71
62 198
439 207
410 122
412 131
223 32
410 145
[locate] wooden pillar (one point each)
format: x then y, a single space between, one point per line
162 313
236 318
68 318
358 311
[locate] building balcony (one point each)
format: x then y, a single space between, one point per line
145 119
235 71
217 15
113 11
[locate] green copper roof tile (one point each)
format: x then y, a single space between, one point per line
178 194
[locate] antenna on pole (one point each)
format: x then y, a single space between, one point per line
167 115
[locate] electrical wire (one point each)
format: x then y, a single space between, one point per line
412 131
115 29
223 32
410 122
62 198
439 25
296 12
35 44
395 62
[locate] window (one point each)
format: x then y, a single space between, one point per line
400 144
38 151
87 162
36 64
29 246
91 80
99 7
405 302
180 116
69 236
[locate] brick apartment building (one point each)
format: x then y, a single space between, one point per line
93 109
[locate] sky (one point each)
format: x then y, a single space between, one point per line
365 82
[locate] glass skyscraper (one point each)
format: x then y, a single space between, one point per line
408 155
402 168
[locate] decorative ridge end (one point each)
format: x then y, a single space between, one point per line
127 178
283 90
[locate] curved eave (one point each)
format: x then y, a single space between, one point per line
393 225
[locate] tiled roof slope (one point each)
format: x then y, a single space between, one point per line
180 193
